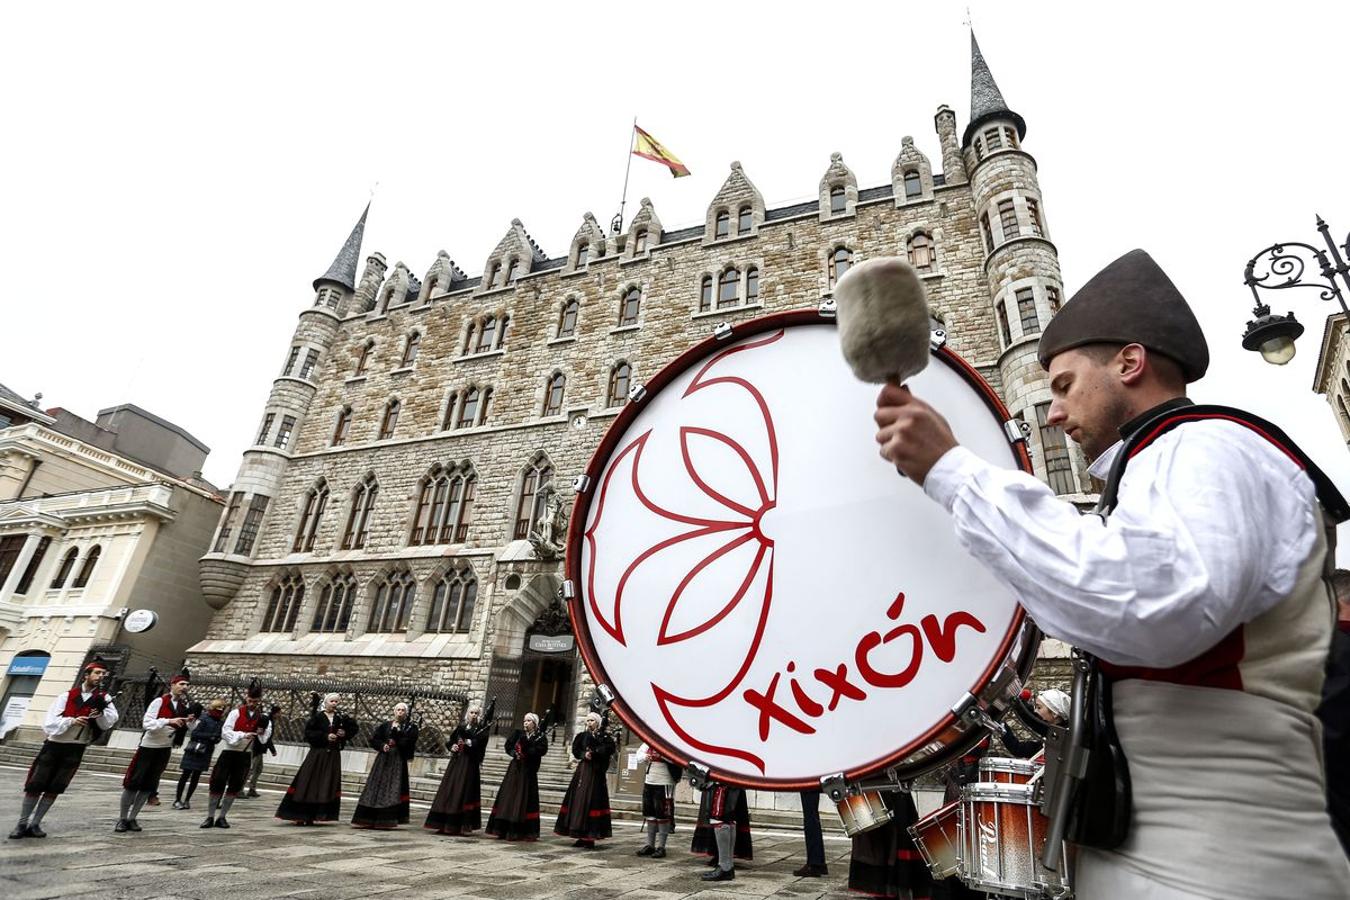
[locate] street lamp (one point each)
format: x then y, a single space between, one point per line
1283 266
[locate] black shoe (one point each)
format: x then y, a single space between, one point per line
152 800
209 823
712 861
810 871
251 795
19 832
36 831
187 805
133 825
578 843
121 826
646 851
719 875
221 823
178 804
659 853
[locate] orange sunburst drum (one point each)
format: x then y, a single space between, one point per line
762 593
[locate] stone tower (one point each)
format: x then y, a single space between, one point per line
265 462
1021 263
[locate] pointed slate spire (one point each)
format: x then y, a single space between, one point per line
986 100
343 269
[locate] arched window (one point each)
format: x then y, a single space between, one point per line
921 252
363 357
728 293
459 509
490 278
470 337
583 254
468 410
444 506
619 377
553 394
913 184
333 613
840 260
640 241
744 221
452 602
316 501
67 563
487 333
630 307
751 284
705 294
26 579
838 199
433 284
343 426
504 332
283 607
359 518
393 598
485 406
723 225
448 419
87 567
430 507
410 349
530 506
567 321
512 270
390 420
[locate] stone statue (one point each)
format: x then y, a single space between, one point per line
549 533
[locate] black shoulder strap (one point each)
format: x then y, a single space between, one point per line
1327 494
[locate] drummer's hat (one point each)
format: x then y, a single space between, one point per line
1131 301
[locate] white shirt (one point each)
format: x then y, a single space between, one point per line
241 740
63 729
657 773
1211 526
158 732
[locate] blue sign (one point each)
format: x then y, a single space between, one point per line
28 665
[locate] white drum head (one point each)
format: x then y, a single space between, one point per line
762 592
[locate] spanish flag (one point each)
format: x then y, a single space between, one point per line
649 147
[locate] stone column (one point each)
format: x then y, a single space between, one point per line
20 565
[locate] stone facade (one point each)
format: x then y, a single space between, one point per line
1332 377
390 345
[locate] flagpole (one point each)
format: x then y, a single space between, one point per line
616 226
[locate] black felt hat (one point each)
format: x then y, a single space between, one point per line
1131 301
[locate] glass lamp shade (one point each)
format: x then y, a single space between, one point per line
1278 350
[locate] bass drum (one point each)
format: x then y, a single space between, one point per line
762 594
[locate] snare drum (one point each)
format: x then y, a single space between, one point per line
1003 836
1006 770
700 581
938 837
862 812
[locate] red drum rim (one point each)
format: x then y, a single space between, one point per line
581 508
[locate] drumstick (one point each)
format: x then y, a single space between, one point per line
883 320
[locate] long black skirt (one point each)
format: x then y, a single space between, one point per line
146 767
384 800
885 862
515 814
584 813
706 845
458 807
53 767
315 794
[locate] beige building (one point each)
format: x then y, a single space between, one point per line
96 518
1332 375
386 522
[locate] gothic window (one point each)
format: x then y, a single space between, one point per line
1058 467
987 232
448 417
1003 327
553 394
363 357
530 506
444 506
452 602
393 598
459 511
68 563
486 334
410 349
567 321
359 517
87 567
266 428
1009 137
705 294
316 501
512 270
1034 217
728 291
222 539
1052 297
913 184
744 221
485 406
468 410
640 241
619 377
503 332
390 420
840 260
751 284
290 360
470 336
993 139
248 531
490 277
722 227
311 360
921 252
630 307
433 284
343 426
26 579
283 607
583 254
838 199
1026 311
284 432
333 613
1007 218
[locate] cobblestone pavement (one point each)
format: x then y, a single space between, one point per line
261 857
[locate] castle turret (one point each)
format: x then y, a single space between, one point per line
1021 263
235 541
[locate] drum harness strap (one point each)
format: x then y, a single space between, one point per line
1087 780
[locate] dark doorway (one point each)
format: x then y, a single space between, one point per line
546 683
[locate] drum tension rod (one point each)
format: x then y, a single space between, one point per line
835 786
723 331
698 774
582 483
937 338
828 308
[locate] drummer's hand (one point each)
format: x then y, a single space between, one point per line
913 435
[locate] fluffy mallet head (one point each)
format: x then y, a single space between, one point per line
882 313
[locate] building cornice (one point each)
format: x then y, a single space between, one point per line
1332 332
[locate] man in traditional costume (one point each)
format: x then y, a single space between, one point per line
244 725
458 806
1198 587
515 813
167 719
315 794
658 800
384 800
723 830
260 750
584 813
74 720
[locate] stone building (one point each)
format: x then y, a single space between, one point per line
1332 375
95 518
398 514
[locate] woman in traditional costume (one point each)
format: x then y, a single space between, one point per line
458 807
316 793
384 800
515 814
584 813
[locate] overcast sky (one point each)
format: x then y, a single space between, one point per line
176 175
